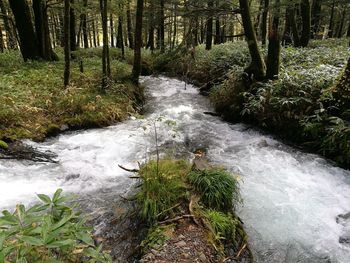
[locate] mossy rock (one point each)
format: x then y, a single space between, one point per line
3 145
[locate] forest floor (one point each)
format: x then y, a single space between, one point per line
34 103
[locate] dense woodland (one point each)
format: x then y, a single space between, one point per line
281 66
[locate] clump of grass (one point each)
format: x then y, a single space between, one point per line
223 226
163 187
217 188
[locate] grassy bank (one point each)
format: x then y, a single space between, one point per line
299 106
183 206
34 104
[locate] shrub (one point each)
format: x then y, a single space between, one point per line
48 232
163 187
217 188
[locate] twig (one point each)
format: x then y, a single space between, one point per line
175 219
166 210
240 251
129 170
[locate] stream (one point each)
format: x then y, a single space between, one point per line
295 205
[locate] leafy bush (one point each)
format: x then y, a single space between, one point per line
48 232
163 187
217 188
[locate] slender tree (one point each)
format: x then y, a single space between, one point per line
138 42
257 66
264 21
274 49
42 30
305 11
10 34
129 26
73 41
83 19
331 21
106 71
209 35
66 42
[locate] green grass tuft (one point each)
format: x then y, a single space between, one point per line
3 145
162 188
217 188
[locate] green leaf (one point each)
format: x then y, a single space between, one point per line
61 243
56 195
2 257
2 239
86 238
46 199
34 241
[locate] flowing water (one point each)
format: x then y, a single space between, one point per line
295 204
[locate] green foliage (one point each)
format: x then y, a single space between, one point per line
217 188
3 145
33 97
299 105
163 187
156 237
223 226
48 232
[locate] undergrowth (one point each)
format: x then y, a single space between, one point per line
34 103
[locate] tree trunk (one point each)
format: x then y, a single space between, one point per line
217 39
2 44
348 32
257 66
287 33
105 51
112 30
66 42
94 32
331 21
42 30
316 16
162 27
306 19
264 22
73 41
10 34
209 35
138 42
274 49
342 22
24 24
129 26
295 32
175 25
83 18
150 43
120 36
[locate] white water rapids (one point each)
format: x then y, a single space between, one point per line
291 199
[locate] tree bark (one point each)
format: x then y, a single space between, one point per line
112 30
2 44
264 22
342 22
120 36
129 26
138 42
24 24
257 66
162 27
217 39
106 71
305 9
316 16
10 34
42 30
331 21
150 43
209 34
294 26
66 42
83 18
274 49
73 41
